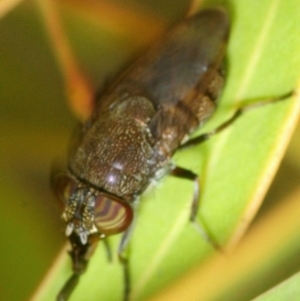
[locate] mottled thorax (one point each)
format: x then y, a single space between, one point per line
115 152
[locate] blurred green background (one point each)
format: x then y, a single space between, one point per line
35 125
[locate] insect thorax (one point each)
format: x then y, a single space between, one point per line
117 153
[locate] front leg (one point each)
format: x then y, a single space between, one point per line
123 254
80 255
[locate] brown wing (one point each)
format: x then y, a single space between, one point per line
181 76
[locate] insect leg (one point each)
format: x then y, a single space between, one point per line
80 255
240 111
124 256
68 288
189 175
107 249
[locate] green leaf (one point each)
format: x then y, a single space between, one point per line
287 290
235 167
268 254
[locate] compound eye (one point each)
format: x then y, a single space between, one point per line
112 215
64 186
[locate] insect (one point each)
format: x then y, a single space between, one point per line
138 124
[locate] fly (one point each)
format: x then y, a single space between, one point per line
138 123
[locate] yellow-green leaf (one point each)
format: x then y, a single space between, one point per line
235 167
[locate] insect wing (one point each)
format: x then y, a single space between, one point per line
169 71
176 74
